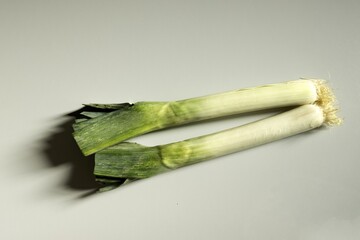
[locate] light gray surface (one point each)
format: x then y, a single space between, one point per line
56 55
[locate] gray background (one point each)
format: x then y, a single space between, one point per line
56 55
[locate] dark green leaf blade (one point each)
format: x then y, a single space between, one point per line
129 160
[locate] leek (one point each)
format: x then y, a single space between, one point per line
123 121
131 160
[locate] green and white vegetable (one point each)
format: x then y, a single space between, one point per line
131 160
102 128
124 121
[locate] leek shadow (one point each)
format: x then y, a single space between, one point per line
60 148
